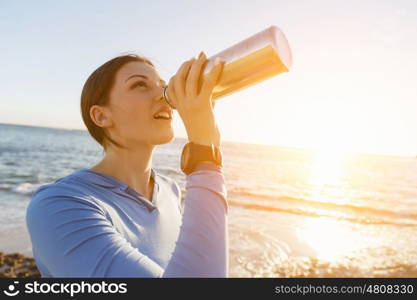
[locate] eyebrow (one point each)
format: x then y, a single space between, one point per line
143 76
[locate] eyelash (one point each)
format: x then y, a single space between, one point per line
138 83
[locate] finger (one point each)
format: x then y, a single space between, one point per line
193 78
212 78
181 77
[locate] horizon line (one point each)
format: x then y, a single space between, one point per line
233 141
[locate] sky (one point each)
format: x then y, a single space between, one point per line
352 85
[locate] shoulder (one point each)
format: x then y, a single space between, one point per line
55 204
64 190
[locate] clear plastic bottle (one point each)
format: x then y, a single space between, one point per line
255 59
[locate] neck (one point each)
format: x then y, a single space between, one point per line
131 166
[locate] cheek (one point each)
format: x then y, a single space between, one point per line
135 115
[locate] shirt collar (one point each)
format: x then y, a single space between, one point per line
99 179
106 181
110 182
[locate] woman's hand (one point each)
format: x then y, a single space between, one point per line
194 104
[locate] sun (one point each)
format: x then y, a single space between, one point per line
327 166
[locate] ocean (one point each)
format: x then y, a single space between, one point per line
293 212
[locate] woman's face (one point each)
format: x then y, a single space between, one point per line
136 96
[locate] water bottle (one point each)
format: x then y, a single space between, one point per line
250 61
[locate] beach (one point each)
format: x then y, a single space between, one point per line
16 265
259 250
292 213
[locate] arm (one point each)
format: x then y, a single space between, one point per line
74 238
204 227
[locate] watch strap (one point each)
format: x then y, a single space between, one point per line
203 156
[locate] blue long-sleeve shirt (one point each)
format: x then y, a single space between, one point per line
88 224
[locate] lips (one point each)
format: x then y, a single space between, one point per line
165 112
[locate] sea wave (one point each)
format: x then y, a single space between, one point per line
308 207
24 188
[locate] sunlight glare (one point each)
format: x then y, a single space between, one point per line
327 167
330 239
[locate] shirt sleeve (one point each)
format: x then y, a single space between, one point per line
73 237
202 245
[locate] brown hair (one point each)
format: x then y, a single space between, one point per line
96 91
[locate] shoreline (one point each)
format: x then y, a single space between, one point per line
271 244
17 265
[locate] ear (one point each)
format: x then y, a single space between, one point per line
101 116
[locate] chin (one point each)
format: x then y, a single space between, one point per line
165 138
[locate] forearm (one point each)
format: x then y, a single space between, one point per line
202 246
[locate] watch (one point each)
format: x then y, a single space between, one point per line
193 153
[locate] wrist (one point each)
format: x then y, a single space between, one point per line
207 138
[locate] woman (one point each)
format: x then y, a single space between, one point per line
121 218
